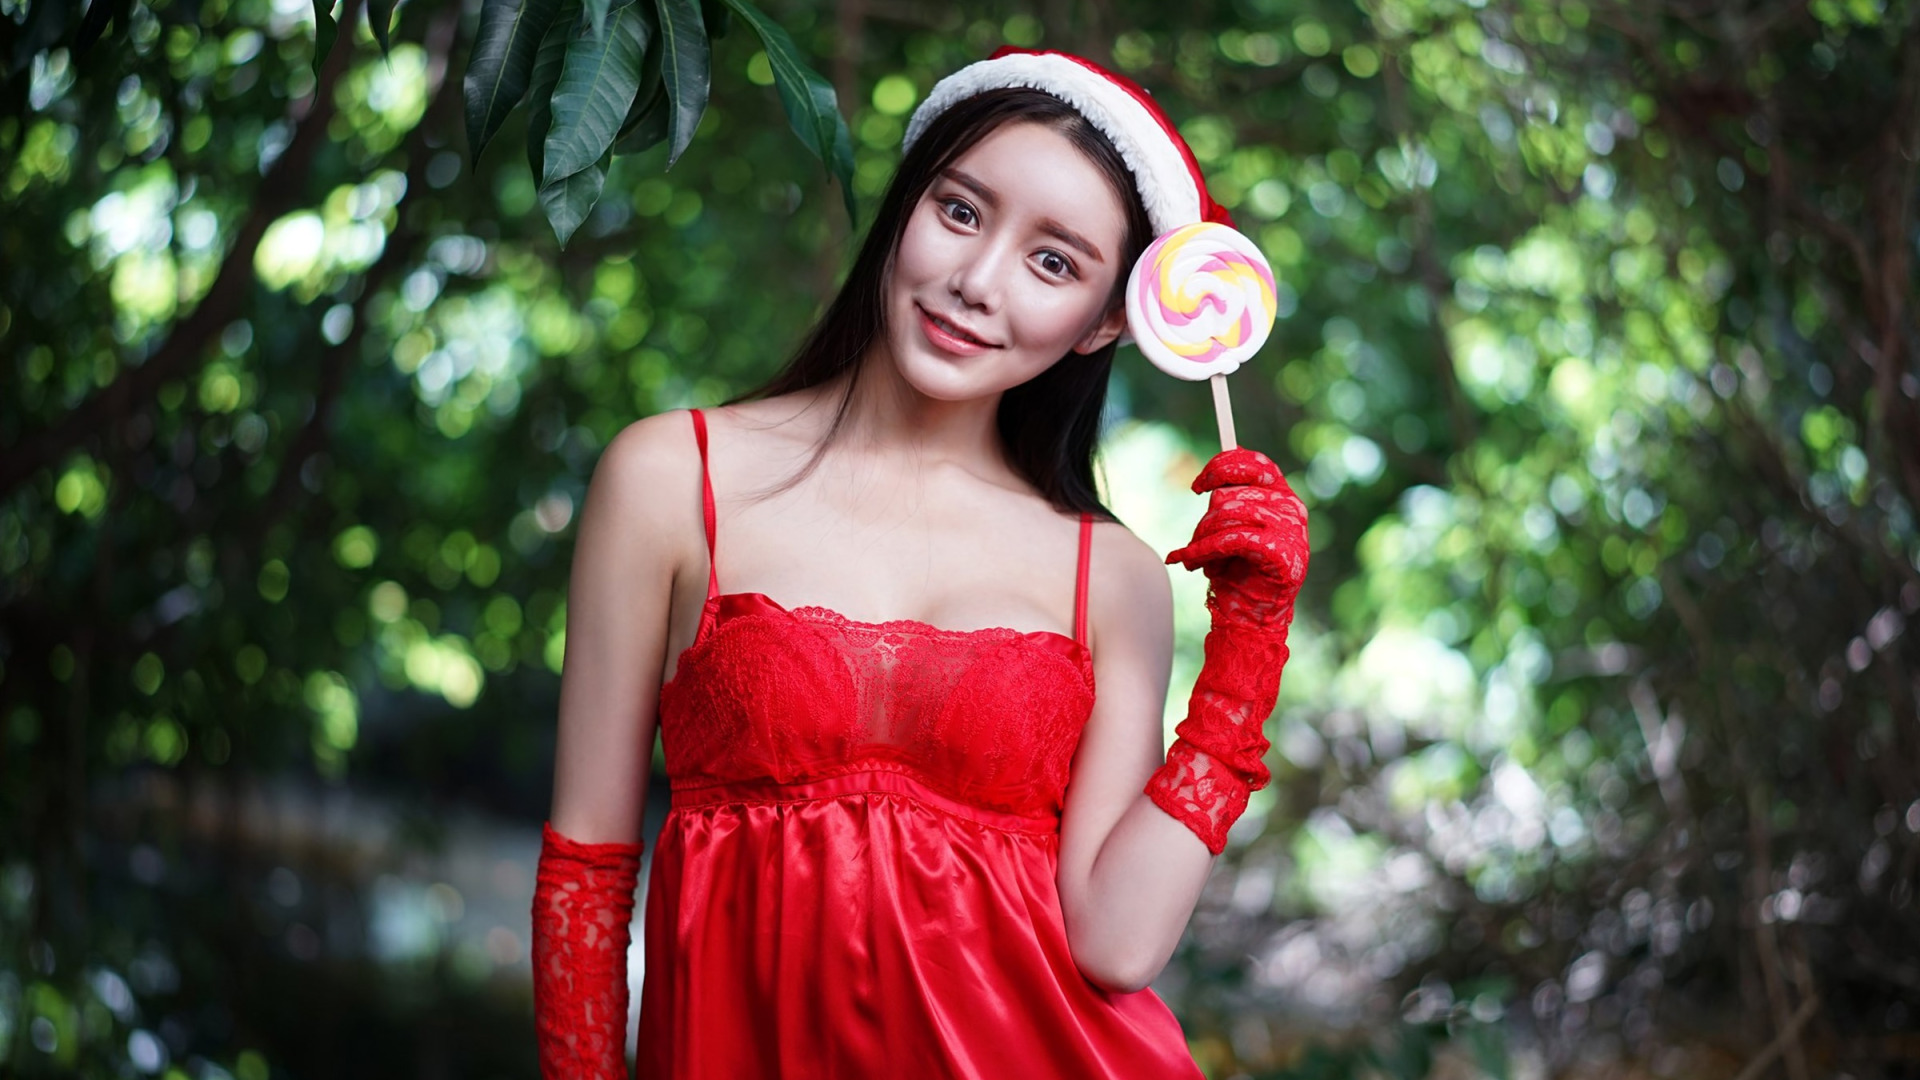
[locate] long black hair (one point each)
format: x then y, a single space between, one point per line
1049 423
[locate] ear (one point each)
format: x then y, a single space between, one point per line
1103 332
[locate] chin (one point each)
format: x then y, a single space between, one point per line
936 376
942 381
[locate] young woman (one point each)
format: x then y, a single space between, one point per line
868 607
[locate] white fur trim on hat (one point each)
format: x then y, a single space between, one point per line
1168 189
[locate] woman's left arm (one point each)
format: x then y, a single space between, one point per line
1129 874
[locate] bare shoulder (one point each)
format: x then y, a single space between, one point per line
661 440
1129 593
653 451
1123 565
647 483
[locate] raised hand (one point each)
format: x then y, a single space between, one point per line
1252 545
1251 542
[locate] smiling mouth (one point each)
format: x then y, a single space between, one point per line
955 330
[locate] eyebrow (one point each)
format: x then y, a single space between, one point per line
1047 225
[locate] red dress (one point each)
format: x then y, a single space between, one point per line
857 876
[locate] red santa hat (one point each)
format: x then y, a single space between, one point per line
1164 170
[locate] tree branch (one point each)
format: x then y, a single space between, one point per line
313 436
1892 197
185 349
1789 1037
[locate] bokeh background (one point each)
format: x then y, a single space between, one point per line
1598 367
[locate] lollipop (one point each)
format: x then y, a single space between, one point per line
1200 302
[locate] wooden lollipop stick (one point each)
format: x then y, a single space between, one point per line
1223 411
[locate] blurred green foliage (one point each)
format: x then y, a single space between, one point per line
1598 368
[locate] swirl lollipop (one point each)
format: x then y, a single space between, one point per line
1200 302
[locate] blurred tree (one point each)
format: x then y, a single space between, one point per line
301 284
1598 368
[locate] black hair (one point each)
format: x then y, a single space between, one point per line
1048 424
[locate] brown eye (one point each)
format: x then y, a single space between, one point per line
953 206
1056 263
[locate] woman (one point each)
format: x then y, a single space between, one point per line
908 839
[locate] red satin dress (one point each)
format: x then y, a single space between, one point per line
857 875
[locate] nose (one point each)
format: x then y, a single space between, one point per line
980 279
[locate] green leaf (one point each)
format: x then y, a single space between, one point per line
325 30
597 87
597 16
570 199
812 110
685 70
503 49
380 20
547 63
649 107
647 130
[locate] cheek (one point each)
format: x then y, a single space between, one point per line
1056 318
923 244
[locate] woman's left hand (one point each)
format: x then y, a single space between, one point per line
1251 542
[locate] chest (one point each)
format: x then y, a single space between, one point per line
939 567
990 716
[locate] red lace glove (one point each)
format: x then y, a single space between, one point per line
1252 544
582 902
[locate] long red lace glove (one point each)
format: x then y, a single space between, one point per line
582 902
1252 544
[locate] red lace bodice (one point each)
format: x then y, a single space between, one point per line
988 717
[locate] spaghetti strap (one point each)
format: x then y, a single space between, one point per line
706 503
1080 582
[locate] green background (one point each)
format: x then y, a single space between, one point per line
1598 369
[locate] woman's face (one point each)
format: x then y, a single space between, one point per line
1006 265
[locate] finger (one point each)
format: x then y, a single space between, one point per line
1271 557
1248 516
1204 551
1259 531
1237 466
1275 503
1201 552
1279 493
1225 546
1277 556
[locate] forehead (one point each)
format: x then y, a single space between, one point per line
1037 171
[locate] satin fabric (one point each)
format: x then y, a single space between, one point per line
857 877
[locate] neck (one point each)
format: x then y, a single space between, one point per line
887 415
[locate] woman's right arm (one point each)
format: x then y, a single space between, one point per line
633 542
640 525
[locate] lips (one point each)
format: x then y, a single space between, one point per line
953 331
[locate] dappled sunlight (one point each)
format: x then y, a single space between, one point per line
1593 366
